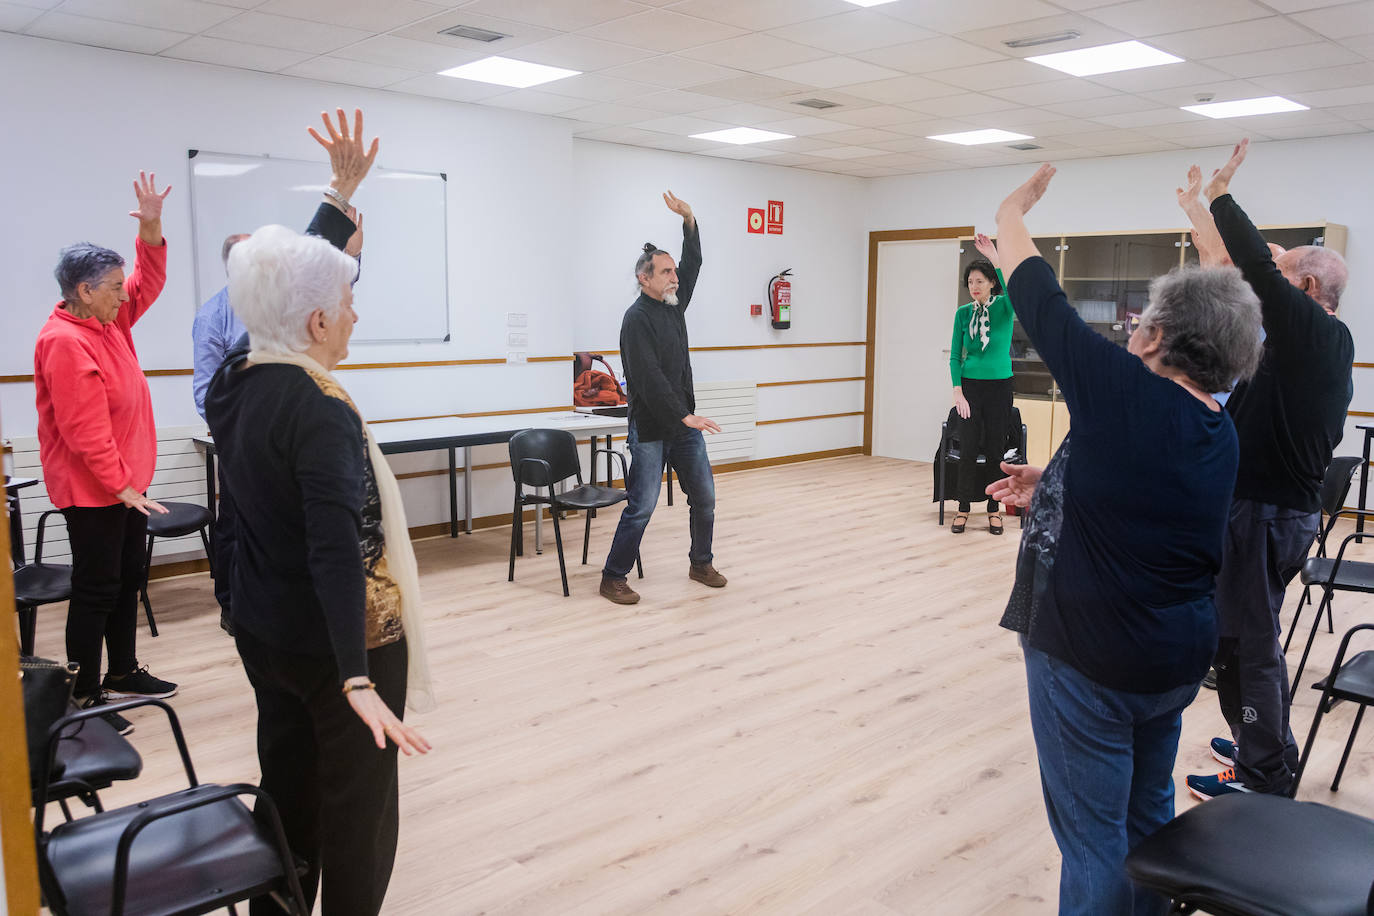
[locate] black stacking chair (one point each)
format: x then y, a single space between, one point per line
1335 488
192 851
90 757
1260 855
181 519
36 583
1348 680
545 458
949 458
1333 575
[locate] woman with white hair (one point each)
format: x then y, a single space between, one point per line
326 594
1119 557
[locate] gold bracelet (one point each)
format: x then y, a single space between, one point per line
349 688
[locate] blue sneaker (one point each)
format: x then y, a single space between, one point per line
1224 751
1208 787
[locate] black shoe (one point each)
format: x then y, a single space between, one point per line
137 683
1210 681
112 719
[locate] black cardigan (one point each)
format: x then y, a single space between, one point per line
653 351
1291 415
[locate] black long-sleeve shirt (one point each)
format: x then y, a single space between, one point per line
1291 415
653 350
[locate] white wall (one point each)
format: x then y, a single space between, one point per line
538 224
1289 182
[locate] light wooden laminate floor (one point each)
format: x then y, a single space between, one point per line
842 730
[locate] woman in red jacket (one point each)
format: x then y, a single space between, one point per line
98 446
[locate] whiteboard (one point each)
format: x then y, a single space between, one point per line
402 294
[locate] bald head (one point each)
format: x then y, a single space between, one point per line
1317 271
229 243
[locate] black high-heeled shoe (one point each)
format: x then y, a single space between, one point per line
959 523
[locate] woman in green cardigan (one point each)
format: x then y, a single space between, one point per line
980 368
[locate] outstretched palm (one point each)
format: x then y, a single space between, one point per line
677 205
149 200
1221 179
348 157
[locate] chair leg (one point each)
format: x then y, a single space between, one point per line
148 605
1350 742
587 535
1293 627
1311 637
1330 624
558 539
639 564
28 626
209 557
66 812
516 536
940 478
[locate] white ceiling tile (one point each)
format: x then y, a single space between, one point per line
862 136
235 54
1224 91
735 151
174 15
930 55
1149 118
1055 91
47 4
831 72
1360 44
609 113
563 15
749 88
1061 128
101 34
444 87
578 53
594 87
1353 112
958 106
1294 6
1143 18
1111 104
654 140
611 134
927 126
671 72
902 89
673 101
14 17
1309 56
790 160
874 116
518 34
1265 123
1136 148
805 126
951 17
356 14
535 102
858 30
1165 77
662 30
1233 38
758 51
1360 74
1090 34
682 125
807 145
1080 5
1326 98
999 75
847 152
1201 133
281 32
1105 137
758 15
1340 21
350 72
408 54
1319 130
742 114
1024 120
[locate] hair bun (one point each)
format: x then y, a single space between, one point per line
650 248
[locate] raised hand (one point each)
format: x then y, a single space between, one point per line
149 210
986 248
1020 201
347 155
1220 182
678 206
1188 195
354 246
1018 486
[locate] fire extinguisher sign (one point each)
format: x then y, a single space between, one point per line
768 220
775 217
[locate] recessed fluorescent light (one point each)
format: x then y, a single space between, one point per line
975 137
1037 40
1124 55
1242 107
506 71
473 33
742 135
870 2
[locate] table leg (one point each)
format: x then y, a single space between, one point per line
467 487
1364 480
453 492
610 474
211 499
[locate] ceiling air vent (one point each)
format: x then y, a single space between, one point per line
817 103
473 33
1037 40
1024 146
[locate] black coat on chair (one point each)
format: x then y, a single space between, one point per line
950 461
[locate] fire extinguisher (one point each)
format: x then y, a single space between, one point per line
780 300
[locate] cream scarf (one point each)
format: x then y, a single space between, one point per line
400 555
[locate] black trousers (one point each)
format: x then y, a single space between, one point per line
222 542
108 554
984 433
335 790
1264 549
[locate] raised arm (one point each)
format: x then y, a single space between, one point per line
144 283
1211 250
1013 239
689 265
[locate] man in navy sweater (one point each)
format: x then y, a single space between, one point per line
664 427
1289 418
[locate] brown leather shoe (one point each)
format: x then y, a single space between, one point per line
618 590
706 575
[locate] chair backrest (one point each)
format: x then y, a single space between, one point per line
1336 482
556 446
1016 432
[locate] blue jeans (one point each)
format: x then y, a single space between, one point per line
686 454
1107 771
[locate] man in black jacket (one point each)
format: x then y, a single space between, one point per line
1289 418
664 428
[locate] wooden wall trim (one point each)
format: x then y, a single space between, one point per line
478 413
1359 413
1363 365
870 343
810 381
820 416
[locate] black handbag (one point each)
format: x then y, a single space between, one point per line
47 687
